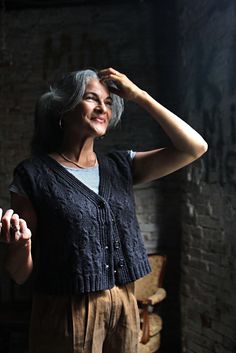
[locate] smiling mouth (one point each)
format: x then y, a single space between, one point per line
99 120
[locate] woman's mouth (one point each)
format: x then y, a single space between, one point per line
99 119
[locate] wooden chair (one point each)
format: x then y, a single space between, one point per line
149 293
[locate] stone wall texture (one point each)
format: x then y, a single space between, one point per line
207 79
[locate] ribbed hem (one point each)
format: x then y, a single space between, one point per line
92 283
79 284
133 273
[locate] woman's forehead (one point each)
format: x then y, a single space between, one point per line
97 86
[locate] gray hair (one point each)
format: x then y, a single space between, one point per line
64 95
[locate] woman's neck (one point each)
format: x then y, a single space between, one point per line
79 152
78 148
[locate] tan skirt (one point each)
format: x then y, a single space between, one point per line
101 322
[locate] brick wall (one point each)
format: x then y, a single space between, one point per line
207 52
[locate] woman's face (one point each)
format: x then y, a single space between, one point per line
93 114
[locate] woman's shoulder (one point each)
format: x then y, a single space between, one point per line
27 164
121 158
122 154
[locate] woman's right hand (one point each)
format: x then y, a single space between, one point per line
125 87
13 230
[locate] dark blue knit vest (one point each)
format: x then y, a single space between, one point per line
85 241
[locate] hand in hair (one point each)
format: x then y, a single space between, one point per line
124 87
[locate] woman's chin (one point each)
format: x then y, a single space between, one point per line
100 132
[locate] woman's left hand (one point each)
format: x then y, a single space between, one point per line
125 88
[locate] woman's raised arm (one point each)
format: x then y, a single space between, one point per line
187 144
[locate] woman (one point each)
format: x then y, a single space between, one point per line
78 208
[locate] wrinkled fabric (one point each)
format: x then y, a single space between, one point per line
102 322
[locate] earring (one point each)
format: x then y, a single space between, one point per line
60 124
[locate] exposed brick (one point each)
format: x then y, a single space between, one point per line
207 46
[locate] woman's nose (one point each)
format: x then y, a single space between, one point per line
101 106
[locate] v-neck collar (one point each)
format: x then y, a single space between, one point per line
104 185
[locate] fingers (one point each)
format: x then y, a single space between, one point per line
119 84
114 80
5 229
24 230
109 74
109 71
13 228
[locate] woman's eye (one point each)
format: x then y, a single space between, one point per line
90 98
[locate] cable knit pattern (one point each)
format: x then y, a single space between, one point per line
85 241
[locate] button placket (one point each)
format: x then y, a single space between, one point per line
118 260
117 244
121 263
101 204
